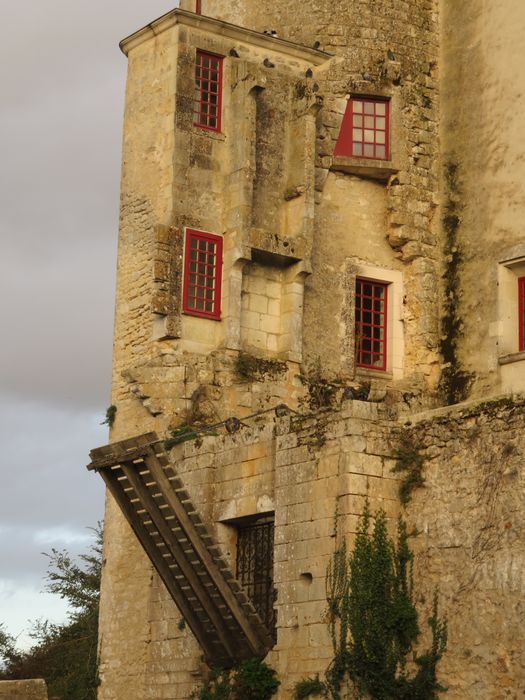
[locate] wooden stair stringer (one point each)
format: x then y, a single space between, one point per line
152 497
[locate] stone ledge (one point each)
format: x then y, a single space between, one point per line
511 357
468 408
23 690
363 167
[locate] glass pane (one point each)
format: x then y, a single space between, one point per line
369 136
380 137
369 122
357 149
369 107
380 122
381 108
380 152
357 106
357 134
369 150
357 120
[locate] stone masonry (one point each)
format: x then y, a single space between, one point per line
23 690
437 223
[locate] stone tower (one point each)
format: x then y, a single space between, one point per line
321 253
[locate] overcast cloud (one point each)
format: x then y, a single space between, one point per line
62 80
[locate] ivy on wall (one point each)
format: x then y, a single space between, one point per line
373 621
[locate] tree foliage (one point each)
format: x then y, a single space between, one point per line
64 655
373 620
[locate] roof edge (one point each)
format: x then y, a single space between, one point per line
226 29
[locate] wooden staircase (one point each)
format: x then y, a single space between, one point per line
153 499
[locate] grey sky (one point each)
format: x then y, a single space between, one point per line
62 81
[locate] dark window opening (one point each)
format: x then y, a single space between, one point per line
208 91
255 566
370 324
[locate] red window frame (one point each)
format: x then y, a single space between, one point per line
365 130
208 91
521 312
201 295
371 317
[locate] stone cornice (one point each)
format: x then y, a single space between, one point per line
225 29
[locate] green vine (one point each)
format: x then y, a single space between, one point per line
178 435
111 414
309 687
257 369
455 381
409 462
322 392
373 622
250 680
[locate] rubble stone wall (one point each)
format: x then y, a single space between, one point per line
388 223
471 545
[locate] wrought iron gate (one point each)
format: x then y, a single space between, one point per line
255 566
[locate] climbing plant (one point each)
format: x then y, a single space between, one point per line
373 622
409 463
250 680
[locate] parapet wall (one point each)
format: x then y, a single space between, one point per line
23 690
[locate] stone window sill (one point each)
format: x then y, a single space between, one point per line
208 133
512 357
362 372
365 167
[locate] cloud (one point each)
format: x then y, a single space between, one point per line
63 81
24 604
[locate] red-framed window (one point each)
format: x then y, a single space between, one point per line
371 324
201 294
365 129
208 91
521 312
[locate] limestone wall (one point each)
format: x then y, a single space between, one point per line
471 544
23 690
303 468
483 160
298 226
388 223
